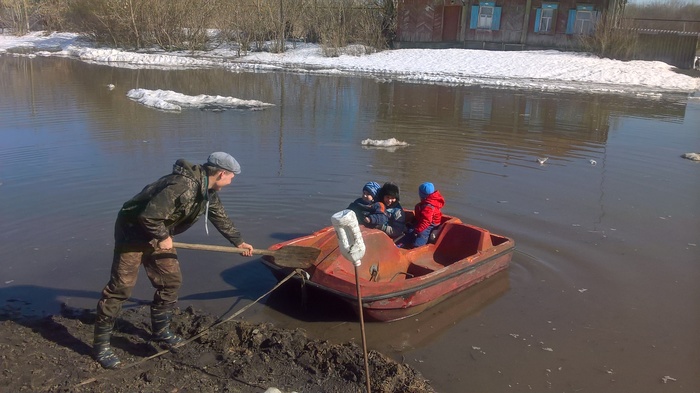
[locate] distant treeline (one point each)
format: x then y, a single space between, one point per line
204 24
664 15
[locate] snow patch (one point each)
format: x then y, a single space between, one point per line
692 156
391 142
171 101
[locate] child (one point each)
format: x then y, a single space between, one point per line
368 210
396 220
427 215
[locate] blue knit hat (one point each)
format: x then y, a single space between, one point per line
372 188
425 189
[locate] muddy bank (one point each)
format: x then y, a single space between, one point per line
52 354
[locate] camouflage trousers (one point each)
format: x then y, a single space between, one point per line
162 269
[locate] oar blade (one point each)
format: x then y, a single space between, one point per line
295 256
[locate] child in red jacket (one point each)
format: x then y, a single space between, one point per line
427 215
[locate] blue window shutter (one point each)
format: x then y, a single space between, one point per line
475 17
538 15
496 21
570 22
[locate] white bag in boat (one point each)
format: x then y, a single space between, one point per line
352 246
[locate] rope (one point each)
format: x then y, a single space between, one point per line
203 332
362 329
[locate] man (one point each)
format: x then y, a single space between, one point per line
143 235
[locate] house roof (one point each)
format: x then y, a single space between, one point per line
660 31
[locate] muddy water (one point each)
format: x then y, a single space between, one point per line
602 295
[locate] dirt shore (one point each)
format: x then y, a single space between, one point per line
52 354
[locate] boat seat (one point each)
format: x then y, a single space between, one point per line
459 241
426 262
422 259
382 253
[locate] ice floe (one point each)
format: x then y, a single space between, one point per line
171 101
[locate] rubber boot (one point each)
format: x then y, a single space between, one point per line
101 349
160 321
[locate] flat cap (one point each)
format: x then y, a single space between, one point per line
224 161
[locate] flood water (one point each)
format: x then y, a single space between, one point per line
603 292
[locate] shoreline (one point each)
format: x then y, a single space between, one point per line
547 70
53 353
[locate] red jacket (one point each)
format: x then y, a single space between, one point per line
428 212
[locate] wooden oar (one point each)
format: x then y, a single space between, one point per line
287 256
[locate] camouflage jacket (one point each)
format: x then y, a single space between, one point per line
171 205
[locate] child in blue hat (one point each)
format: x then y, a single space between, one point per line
369 210
427 214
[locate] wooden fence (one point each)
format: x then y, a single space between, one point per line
663 24
672 47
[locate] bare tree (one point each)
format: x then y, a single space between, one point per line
16 15
665 15
611 39
186 24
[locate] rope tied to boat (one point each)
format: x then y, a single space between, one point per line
352 246
218 322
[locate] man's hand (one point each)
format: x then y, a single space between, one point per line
249 249
166 244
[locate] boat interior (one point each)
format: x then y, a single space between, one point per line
455 242
385 262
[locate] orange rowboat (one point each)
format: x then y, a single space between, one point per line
397 283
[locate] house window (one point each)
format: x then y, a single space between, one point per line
546 18
485 16
582 20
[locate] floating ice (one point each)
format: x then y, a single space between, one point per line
692 156
174 102
391 142
667 378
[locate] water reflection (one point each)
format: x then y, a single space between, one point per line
598 236
494 124
335 320
449 123
62 125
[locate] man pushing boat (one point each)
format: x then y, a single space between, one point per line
143 235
